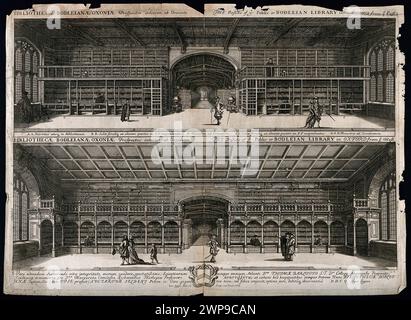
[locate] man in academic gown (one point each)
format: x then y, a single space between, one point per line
153 253
124 250
287 246
134 259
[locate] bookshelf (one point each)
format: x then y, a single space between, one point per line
293 96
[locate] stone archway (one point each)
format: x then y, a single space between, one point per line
377 180
198 78
203 217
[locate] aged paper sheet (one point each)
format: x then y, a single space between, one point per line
156 150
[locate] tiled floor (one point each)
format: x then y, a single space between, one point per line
202 119
195 255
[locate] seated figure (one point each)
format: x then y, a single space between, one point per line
254 241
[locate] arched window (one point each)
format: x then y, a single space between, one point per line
373 88
20 206
26 70
388 220
389 89
382 71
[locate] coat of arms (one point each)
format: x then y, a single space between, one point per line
203 275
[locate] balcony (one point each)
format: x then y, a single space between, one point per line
306 72
102 72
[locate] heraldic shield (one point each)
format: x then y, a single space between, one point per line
203 275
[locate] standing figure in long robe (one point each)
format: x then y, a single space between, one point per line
315 113
288 246
134 259
153 253
125 112
24 109
218 110
213 244
124 251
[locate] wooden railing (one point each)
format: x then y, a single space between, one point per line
103 72
48 204
303 72
238 208
287 207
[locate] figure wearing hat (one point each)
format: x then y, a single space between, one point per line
218 110
124 250
177 106
288 246
314 114
213 244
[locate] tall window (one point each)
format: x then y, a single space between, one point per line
20 206
382 72
388 206
26 68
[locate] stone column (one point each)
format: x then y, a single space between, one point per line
329 238
145 228
163 245
179 237
296 238
186 234
245 227
312 236
112 225
162 239
279 235
145 238
79 227
245 238
95 228
228 244
262 228
355 239
346 235
53 248
62 234
220 231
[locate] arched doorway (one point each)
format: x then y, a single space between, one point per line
197 79
208 216
361 237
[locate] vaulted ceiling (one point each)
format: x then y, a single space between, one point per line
204 70
134 163
215 32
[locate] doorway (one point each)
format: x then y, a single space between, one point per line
208 216
361 237
197 80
